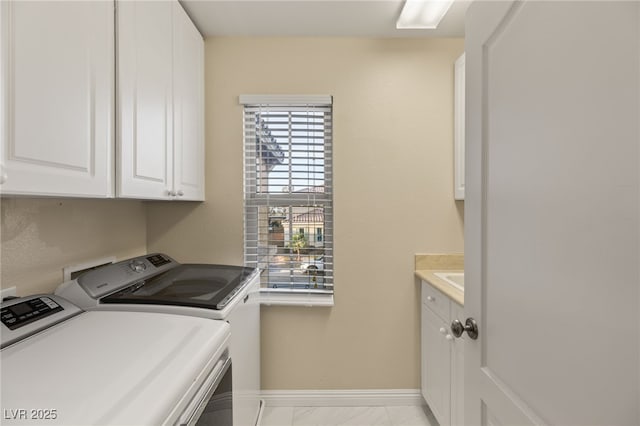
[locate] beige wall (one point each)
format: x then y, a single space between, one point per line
41 236
393 119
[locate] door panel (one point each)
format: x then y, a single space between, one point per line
436 353
188 88
57 90
552 213
145 98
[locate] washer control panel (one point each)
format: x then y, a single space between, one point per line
26 316
159 260
26 312
138 266
108 279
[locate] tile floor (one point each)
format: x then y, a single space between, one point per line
348 416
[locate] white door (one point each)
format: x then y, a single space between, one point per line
145 61
552 239
188 108
57 92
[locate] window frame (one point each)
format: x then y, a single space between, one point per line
254 198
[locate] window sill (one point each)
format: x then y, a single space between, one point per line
295 299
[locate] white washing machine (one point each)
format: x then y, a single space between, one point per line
158 283
61 365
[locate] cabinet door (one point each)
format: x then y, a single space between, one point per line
57 97
188 104
458 119
145 130
457 370
436 365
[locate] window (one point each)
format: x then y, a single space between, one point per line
288 195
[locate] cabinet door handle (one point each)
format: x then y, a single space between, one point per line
180 192
431 298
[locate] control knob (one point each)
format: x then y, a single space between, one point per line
138 266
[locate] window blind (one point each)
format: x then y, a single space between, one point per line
288 194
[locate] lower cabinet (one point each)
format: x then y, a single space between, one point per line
457 369
442 357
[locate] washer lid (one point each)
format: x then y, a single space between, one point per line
193 285
111 367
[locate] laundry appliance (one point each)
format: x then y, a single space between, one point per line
158 283
62 365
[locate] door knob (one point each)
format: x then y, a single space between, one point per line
470 326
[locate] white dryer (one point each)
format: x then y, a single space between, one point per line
158 283
61 365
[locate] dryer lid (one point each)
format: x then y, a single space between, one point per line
104 367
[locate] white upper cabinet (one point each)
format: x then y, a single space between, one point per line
57 91
188 108
145 59
459 123
160 90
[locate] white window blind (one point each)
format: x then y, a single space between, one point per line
288 194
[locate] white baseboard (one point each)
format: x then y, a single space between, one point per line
342 398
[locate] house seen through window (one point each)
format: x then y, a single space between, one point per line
288 196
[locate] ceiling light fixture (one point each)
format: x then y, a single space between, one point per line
422 14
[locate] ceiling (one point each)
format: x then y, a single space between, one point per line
319 18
